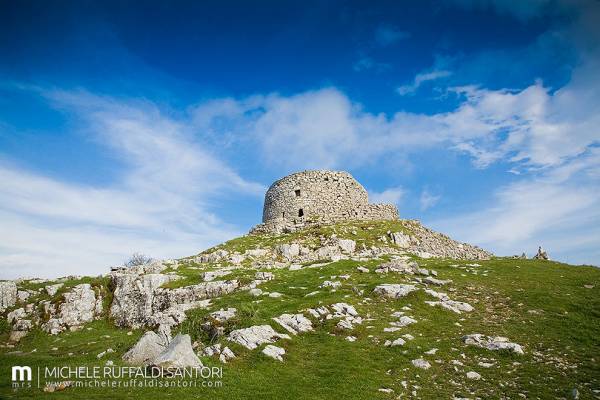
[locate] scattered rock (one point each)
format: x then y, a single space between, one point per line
401 266
53 289
294 323
445 302
397 342
403 321
421 363
394 291
226 355
330 284
209 276
223 315
254 336
434 281
57 386
264 276
473 375
274 352
492 342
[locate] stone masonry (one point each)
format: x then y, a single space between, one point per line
318 196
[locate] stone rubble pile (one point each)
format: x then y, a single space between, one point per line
426 241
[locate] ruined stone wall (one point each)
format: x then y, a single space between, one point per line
325 196
377 212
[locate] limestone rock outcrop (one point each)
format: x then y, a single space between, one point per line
139 300
8 294
79 306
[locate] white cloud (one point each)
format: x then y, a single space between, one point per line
420 79
159 206
390 196
428 200
559 210
533 127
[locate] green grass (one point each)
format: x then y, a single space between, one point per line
541 305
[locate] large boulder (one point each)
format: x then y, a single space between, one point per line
289 251
178 354
146 350
400 239
347 245
8 294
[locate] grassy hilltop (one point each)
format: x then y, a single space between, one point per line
551 309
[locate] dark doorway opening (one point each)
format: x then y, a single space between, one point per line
300 212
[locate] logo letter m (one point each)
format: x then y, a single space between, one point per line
23 373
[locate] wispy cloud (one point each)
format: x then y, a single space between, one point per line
420 79
159 206
390 195
428 200
559 209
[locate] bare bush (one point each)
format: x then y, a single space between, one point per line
138 259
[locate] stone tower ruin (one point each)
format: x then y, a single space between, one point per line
321 196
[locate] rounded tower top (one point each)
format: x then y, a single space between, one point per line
315 195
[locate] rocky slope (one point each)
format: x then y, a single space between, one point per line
371 310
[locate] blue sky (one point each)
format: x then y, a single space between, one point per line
156 127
